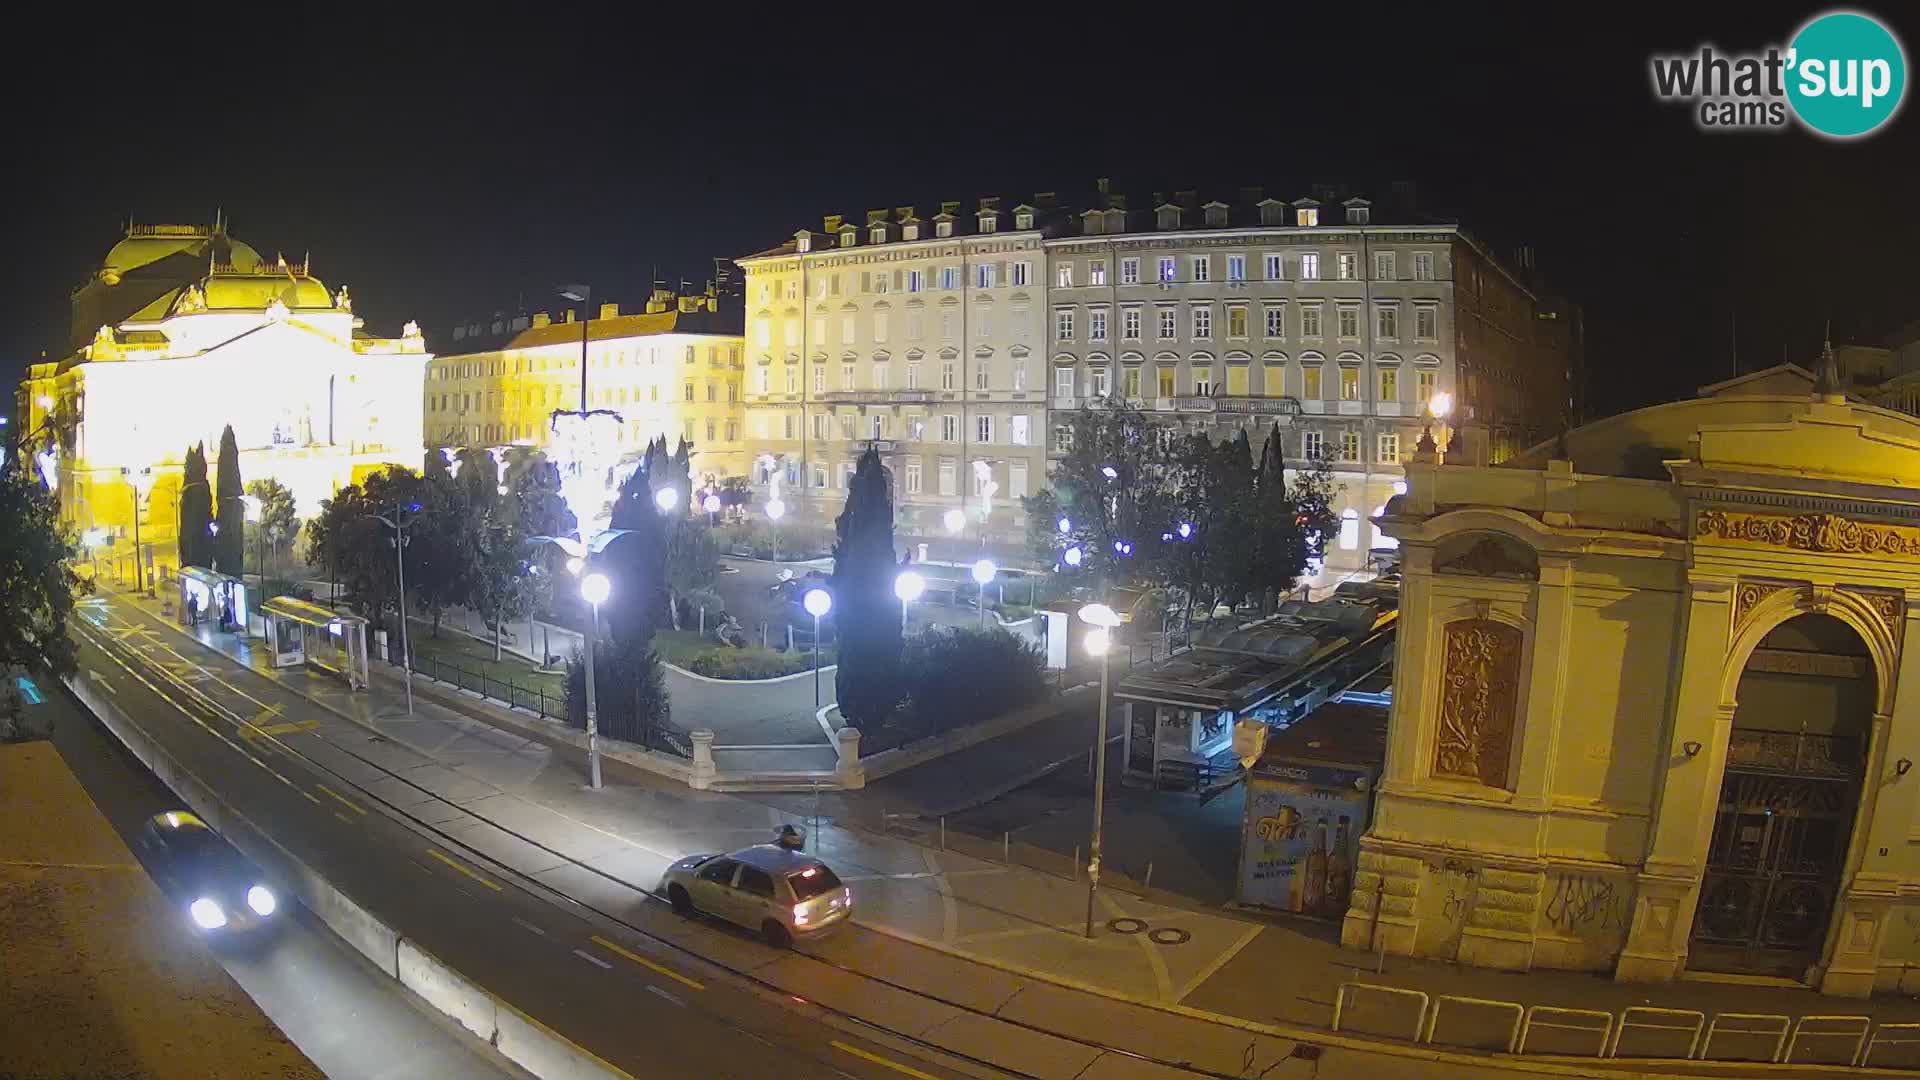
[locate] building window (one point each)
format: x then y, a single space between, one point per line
1063 275
1203 381
948 379
913 476
1349 530
880 321
1063 324
1426 323
982 369
1310 382
879 376
733 431
819 379
1306 216
1062 438
712 393
917 429
1389 448
1097 325
1020 273
1276 321
1387 323
1236 268
1383 266
949 427
1349 446
1423 388
983 429
762 379
1096 272
1389 384
1167 270
949 276
1349 384
1165 386
1102 382
878 427
1169 324
1274 266
820 476
1017 429
793 379
1309 266
686 431
846 428
913 374
1423 266
1348 266
1349 322
1202 267
916 326
1017 480
846 377
1313 445
1063 382
820 421
1130 324
1203 324
983 276
1132 383
689 390
949 479
1310 320
710 428
1129 271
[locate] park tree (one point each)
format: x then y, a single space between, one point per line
348 537
230 511
279 520
1115 487
1205 555
442 542
196 511
630 686
866 613
37 582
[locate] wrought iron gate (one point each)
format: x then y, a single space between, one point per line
1779 844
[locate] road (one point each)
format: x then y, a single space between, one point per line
341 1011
651 1010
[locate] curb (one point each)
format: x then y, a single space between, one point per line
531 1045
747 682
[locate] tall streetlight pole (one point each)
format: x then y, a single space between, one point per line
253 505
399 526
582 295
908 587
1099 641
594 588
141 480
817 602
983 572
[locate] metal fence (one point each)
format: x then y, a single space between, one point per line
1639 1031
548 704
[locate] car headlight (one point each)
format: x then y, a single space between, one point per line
260 900
207 914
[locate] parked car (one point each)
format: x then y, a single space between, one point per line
223 891
776 892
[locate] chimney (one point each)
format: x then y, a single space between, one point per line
903 213
1044 200
950 207
1159 199
609 311
990 202
832 223
569 317
1186 200
1252 195
1100 184
540 319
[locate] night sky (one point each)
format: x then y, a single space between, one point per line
444 172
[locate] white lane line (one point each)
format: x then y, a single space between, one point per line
527 926
592 959
665 993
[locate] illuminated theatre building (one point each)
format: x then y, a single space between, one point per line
184 330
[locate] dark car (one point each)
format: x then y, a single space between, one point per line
223 892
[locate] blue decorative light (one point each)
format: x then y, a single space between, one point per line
1186 529
1072 556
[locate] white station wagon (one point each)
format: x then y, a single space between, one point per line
780 894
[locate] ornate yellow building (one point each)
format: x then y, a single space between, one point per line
1653 707
672 370
184 330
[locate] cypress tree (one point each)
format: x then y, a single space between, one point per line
230 545
196 510
866 615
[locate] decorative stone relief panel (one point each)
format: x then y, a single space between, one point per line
1480 686
1810 532
1748 596
1890 606
1487 555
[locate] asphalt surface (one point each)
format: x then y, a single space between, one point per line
341 1011
644 1007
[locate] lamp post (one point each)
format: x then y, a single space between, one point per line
399 524
711 504
983 572
252 503
141 481
594 589
817 602
581 294
908 587
92 539
1099 641
666 499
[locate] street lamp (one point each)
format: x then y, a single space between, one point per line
817 602
399 526
594 589
776 510
1073 556
142 481
92 539
908 587
1438 406
666 499
983 572
1103 619
954 520
711 504
580 294
1065 525
252 503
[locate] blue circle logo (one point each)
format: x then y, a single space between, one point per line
1847 74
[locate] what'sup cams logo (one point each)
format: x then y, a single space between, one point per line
1843 76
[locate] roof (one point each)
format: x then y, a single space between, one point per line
306 613
726 322
1339 734
254 292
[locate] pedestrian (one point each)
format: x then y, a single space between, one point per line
788 837
193 610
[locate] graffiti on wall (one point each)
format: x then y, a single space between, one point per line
1586 906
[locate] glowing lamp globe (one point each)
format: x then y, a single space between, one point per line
1066 526
776 510
955 520
908 587
1073 556
712 504
595 588
1098 641
983 571
1440 405
817 602
666 498
1100 615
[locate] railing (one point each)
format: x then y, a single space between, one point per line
550 705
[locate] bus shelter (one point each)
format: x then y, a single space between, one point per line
300 633
213 595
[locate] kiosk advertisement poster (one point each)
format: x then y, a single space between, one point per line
1302 826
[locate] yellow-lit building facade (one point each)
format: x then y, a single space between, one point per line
183 330
672 370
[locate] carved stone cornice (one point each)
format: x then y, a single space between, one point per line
1821 533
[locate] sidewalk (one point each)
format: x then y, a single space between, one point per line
1028 924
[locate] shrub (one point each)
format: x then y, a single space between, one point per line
721 662
958 676
630 693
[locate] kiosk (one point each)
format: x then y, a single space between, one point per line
300 633
212 593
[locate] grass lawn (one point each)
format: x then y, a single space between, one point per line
687 649
476 657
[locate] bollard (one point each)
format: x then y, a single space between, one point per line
943 832
1076 862
703 620
1148 883
1006 848
789 637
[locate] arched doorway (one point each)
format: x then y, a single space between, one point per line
1787 802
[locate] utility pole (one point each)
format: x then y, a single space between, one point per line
399 526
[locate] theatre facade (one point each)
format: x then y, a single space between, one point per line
1653 711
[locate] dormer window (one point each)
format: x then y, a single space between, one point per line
1359 211
803 242
849 236
989 222
1307 216
878 235
943 229
1216 215
1023 217
1273 212
1168 217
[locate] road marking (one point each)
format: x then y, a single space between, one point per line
39 865
341 799
592 959
101 681
646 963
662 991
865 1055
1218 962
343 817
527 926
464 870
310 798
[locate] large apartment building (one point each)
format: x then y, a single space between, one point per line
954 343
673 369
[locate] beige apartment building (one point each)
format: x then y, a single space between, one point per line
673 369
